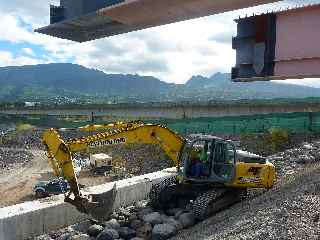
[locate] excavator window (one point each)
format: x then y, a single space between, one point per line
198 159
223 161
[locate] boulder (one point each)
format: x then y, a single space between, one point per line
126 233
65 236
135 224
104 236
122 220
94 230
81 227
144 211
145 231
108 234
176 223
153 218
308 146
80 237
163 231
164 218
132 217
178 213
112 224
187 219
43 237
173 211
62 234
113 232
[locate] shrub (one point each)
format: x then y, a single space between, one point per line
24 127
279 138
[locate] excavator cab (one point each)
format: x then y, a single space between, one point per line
209 159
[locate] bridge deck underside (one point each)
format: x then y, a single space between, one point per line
140 14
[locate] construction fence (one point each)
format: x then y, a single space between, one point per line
293 122
303 122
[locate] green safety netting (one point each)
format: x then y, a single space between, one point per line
293 122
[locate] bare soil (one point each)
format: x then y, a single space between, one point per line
16 183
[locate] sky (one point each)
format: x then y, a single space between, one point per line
173 53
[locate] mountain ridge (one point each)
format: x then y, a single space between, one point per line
72 81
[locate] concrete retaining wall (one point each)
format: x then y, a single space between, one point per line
173 112
34 218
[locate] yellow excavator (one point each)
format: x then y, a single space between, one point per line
211 173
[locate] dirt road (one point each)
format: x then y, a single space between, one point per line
16 184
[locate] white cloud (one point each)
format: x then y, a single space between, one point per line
173 52
7 59
35 12
28 51
12 31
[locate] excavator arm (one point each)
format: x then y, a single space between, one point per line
168 140
60 155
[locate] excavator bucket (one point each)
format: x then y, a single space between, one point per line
98 206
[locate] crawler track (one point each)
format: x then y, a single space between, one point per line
215 200
156 191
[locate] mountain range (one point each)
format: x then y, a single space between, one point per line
64 82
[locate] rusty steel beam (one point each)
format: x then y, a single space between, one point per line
288 48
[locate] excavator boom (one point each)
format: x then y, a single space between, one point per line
60 156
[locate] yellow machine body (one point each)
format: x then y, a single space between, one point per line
253 175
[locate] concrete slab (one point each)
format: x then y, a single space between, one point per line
34 218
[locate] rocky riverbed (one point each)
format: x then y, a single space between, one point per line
137 222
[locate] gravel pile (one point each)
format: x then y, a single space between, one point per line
292 161
11 157
24 139
140 158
